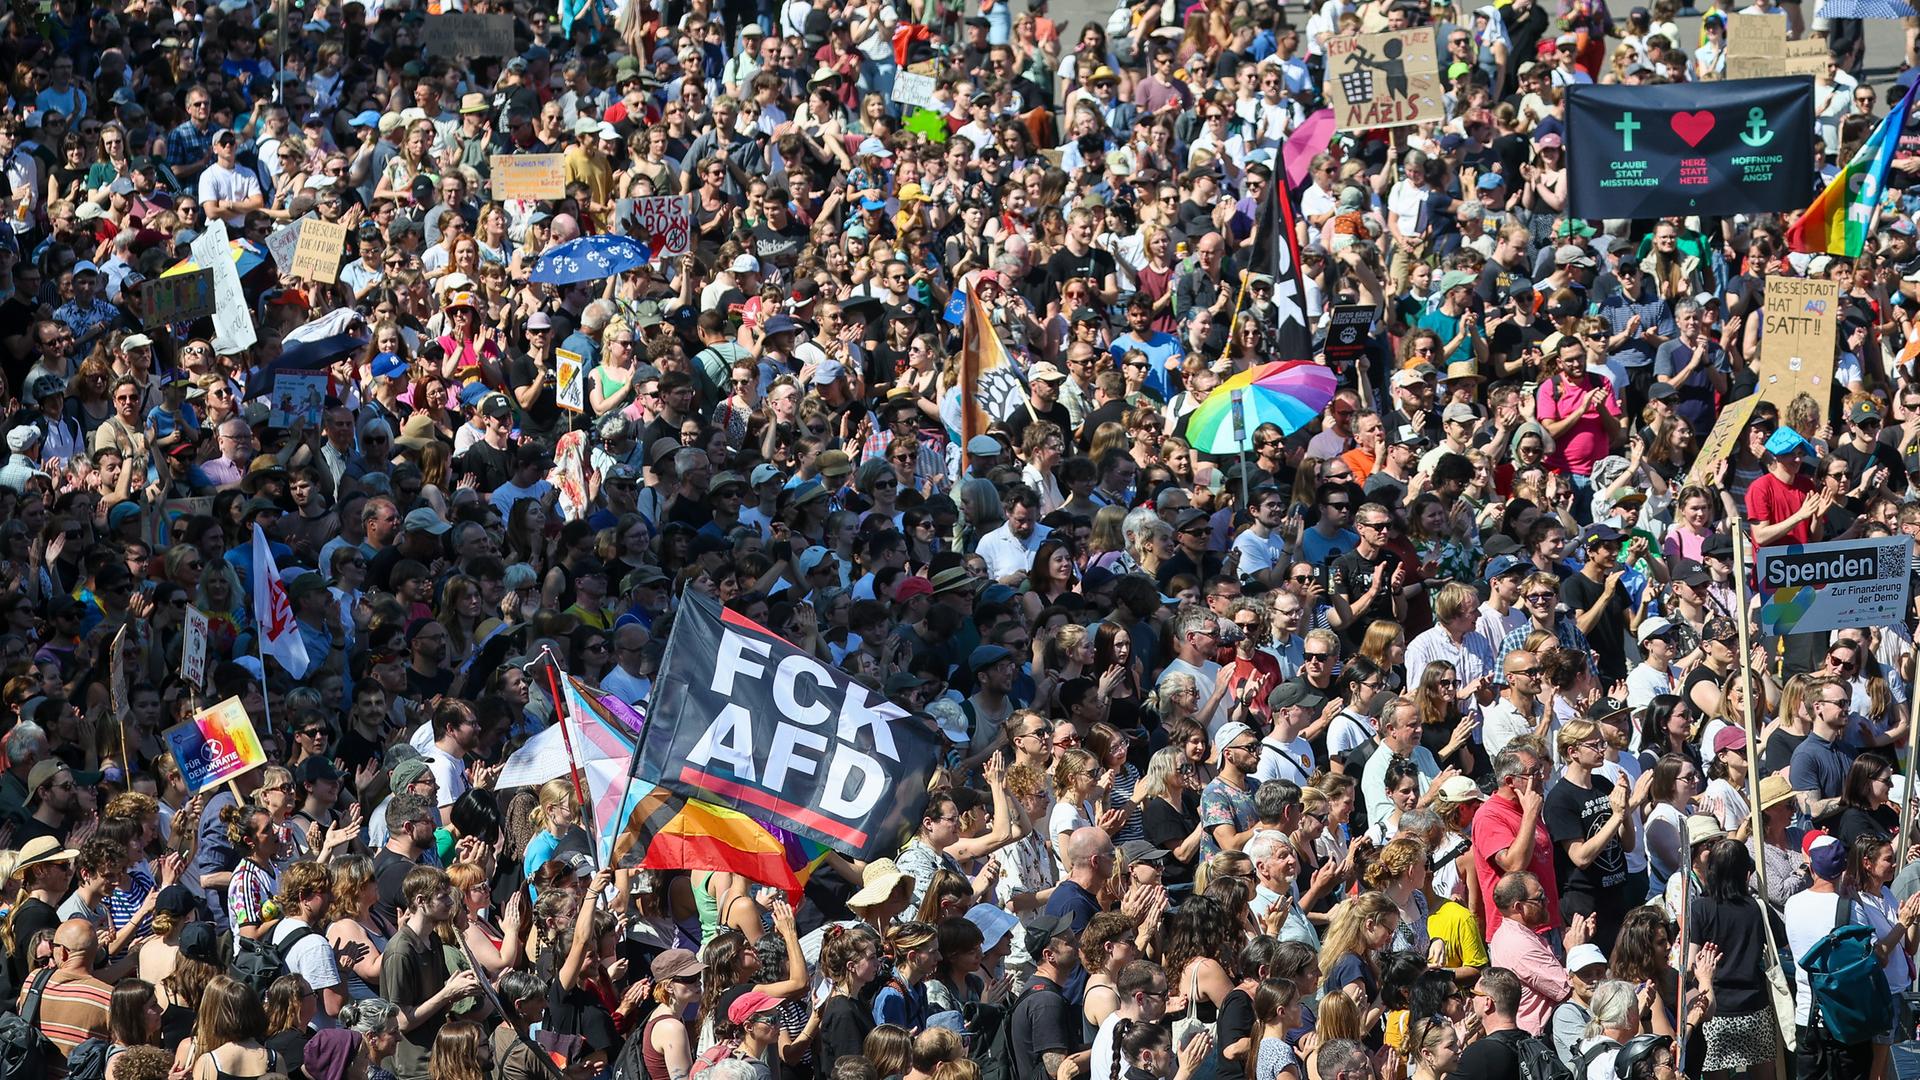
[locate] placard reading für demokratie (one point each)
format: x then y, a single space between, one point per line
1815 588
1740 147
742 718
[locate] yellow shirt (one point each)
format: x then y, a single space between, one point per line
1452 923
591 170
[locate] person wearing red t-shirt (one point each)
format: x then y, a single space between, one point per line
1782 504
1507 832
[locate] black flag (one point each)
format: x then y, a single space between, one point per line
1276 253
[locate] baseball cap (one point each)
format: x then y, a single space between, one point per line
1040 930
1785 440
1652 628
425 520
1729 738
764 473
496 405
986 656
1572 255
1229 732
1504 564
1600 533
1584 956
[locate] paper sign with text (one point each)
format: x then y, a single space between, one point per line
662 222
193 647
463 35
215 746
232 315
317 258
1384 80
282 242
529 176
174 298
1799 317
910 88
1720 443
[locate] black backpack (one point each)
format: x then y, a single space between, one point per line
257 962
26 1054
89 1060
1538 1061
993 1048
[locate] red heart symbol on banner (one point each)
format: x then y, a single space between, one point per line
1692 126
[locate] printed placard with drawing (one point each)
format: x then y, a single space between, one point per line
1384 80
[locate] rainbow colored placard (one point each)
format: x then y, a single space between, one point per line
215 746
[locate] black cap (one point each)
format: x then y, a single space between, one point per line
1040 930
1721 545
197 943
316 770
174 900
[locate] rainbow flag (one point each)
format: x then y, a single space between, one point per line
678 833
1837 220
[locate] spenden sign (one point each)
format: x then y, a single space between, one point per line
1816 588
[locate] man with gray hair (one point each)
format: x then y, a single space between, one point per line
25 746
1400 731
1344 1059
1507 836
585 341
1697 368
1196 638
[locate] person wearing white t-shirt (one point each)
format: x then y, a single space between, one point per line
1654 675
1352 726
456 737
1263 554
1516 711
227 191
309 886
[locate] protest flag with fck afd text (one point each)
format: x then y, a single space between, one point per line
742 718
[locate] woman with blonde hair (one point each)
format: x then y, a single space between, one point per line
460 1052
43 884
229 1037
1385 643
556 814
352 926
1358 930
1107 541
1080 798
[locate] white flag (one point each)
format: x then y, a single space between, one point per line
279 634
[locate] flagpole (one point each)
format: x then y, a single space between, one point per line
566 737
1239 298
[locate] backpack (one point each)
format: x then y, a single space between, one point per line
89 1060
1537 1058
24 1052
257 962
993 1051
1849 986
714 1055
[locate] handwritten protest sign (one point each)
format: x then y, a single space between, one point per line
232 315
215 746
1384 80
1719 444
912 88
662 222
317 257
460 34
529 176
193 647
1796 340
282 242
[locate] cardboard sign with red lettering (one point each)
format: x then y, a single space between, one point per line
1384 80
662 222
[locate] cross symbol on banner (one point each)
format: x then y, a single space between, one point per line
1626 127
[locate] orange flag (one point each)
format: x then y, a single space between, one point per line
991 387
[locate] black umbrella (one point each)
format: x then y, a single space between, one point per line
305 356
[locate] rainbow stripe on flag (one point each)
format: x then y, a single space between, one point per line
1837 220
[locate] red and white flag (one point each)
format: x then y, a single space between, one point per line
279 634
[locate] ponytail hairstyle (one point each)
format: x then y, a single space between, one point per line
1273 999
1133 1038
238 821
553 794
844 947
1427 1034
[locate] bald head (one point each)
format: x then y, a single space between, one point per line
77 943
1086 844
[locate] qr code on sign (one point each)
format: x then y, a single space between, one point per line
1357 86
1891 564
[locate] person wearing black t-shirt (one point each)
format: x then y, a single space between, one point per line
1862 450
1586 815
1078 258
531 380
1495 1057
1043 403
490 460
1598 603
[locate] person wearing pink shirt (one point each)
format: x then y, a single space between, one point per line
1693 526
1582 416
1520 945
1507 833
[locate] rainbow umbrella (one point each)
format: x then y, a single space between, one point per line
1285 393
245 259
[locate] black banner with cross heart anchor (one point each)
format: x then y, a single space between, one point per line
1738 147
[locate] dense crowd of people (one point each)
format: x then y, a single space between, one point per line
1434 737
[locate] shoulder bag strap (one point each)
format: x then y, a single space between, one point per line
30 1010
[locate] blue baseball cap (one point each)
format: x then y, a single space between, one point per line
366 119
986 656
1490 180
388 366
471 394
1503 564
1785 440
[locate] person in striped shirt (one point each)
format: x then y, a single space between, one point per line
73 1004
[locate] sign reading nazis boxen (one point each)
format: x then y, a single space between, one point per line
1815 588
741 717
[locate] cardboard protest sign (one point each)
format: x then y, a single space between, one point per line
1720 444
742 718
529 176
1384 80
662 222
193 647
464 35
1740 146
569 389
912 88
317 256
1347 333
215 746
1816 588
282 242
1756 35
1799 317
173 298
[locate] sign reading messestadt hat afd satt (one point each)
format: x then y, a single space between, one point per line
1742 146
1815 588
741 717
